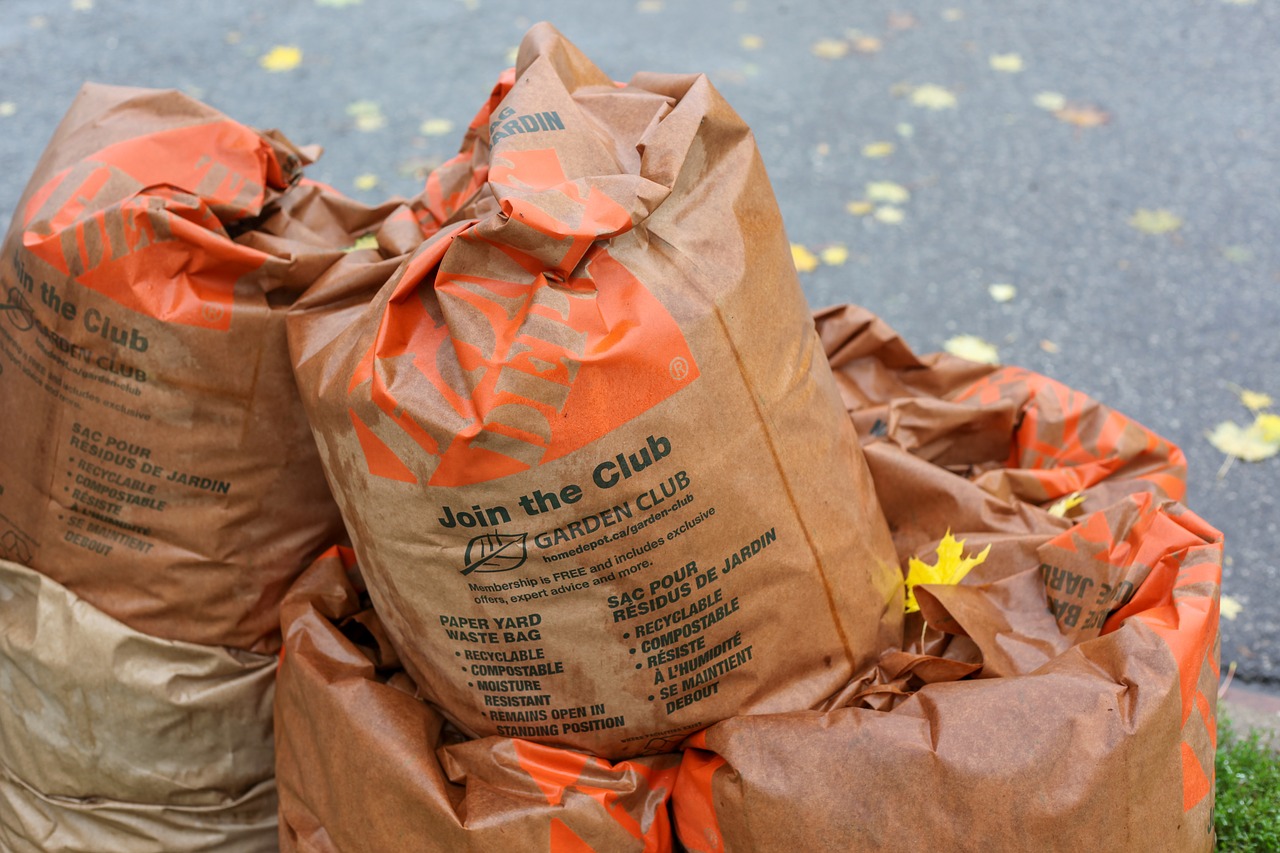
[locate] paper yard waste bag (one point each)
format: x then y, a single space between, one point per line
156 460
1068 701
585 440
112 741
365 765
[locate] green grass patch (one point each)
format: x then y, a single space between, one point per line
1247 809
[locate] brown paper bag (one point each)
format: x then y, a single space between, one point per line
111 740
1070 703
156 459
365 765
585 439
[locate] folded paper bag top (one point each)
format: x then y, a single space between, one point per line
156 459
585 439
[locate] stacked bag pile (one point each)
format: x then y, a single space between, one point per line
538 513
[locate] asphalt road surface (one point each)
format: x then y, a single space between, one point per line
1029 136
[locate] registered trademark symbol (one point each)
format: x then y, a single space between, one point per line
679 369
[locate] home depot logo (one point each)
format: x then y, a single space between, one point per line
154 203
531 342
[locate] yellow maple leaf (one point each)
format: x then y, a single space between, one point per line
950 568
877 149
829 48
859 208
1158 221
972 348
834 256
804 260
933 97
1065 505
1259 440
282 57
367 181
1255 400
7 108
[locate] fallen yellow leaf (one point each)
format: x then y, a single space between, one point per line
972 348
1051 101
81 5
1065 505
284 57
867 44
1259 440
829 48
435 127
834 256
1002 292
649 6
933 97
7 108
905 130
887 192
952 14
367 181
365 241
859 208
902 20
1255 400
889 215
804 260
751 42
1269 426
1158 221
950 568
1229 607
877 149
1049 346
1010 63
1237 254
1082 115
367 115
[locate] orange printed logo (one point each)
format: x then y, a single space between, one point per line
149 210
537 340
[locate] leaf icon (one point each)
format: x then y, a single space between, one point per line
495 552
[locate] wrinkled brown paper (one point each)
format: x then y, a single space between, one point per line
585 440
1070 705
162 466
112 740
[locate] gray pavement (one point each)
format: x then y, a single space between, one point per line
1159 326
